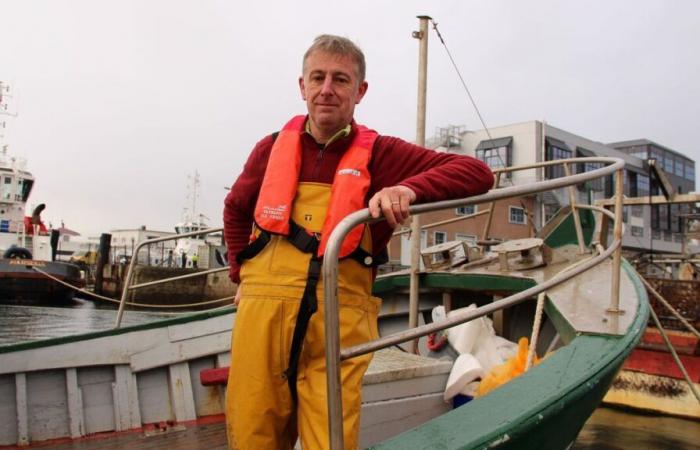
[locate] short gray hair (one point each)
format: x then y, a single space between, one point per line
340 46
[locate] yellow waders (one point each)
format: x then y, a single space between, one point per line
260 411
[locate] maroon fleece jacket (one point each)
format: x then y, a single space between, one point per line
432 175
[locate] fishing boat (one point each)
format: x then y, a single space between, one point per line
164 376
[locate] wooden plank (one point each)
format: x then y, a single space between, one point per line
181 395
154 398
382 420
180 351
22 412
208 400
8 410
125 396
96 389
404 388
76 420
47 407
214 325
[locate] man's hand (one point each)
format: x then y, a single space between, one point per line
392 202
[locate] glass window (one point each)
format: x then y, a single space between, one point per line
663 217
6 189
637 231
642 185
554 153
495 158
599 183
465 210
668 163
690 171
516 215
439 237
679 167
637 210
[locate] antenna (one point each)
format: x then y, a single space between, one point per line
193 184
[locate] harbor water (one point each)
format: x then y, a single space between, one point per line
607 429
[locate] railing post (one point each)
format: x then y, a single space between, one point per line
574 211
492 205
617 256
332 330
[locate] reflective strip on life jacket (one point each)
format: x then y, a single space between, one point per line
350 184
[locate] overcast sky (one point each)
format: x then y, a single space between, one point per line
118 101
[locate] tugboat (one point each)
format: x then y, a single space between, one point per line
28 266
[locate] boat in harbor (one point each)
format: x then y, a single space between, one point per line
27 248
565 289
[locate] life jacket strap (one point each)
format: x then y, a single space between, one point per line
307 307
253 248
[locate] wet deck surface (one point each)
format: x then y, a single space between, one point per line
194 437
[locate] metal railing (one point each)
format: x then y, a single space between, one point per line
330 270
134 262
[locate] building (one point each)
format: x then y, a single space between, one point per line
654 229
124 243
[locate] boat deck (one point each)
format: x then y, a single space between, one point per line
210 436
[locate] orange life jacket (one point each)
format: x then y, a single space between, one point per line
348 191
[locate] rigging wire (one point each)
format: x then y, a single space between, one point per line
466 89
464 84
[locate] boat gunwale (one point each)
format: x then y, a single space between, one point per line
185 318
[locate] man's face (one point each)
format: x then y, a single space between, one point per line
331 88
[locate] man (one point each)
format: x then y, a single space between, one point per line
295 187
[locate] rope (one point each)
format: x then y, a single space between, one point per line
535 331
675 355
142 305
669 306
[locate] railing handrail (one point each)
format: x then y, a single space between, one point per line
330 264
134 262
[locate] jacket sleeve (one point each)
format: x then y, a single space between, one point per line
239 205
432 175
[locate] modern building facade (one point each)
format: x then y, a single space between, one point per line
656 229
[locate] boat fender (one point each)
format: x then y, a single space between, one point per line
15 252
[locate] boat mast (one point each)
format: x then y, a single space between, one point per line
422 36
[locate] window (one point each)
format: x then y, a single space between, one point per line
465 210
637 210
690 171
663 217
655 222
556 149
439 237
637 231
598 183
642 185
679 167
496 153
668 164
516 215
495 158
